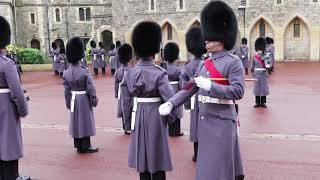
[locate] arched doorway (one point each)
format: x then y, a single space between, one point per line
35 44
261 29
59 42
297 40
107 39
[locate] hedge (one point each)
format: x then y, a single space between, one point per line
30 56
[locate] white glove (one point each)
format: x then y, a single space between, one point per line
188 110
165 109
203 83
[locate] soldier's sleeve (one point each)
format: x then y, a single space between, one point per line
116 84
235 89
165 89
252 65
185 79
67 92
126 103
16 92
91 90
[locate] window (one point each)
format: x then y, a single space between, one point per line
243 2
169 31
262 29
84 14
181 4
279 2
314 1
58 18
296 28
33 19
152 5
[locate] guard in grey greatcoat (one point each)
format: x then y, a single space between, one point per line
219 155
54 53
269 51
143 88
170 55
94 53
273 54
196 46
244 51
118 44
83 61
102 58
112 55
80 96
125 55
62 61
260 72
13 107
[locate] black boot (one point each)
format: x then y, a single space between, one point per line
241 177
113 71
263 101
9 170
247 71
258 102
145 176
160 175
195 149
103 71
124 129
56 73
61 74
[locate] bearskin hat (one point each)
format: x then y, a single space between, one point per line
244 41
219 23
101 45
5 33
75 50
93 44
112 46
146 39
268 40
195 42
260 44
54 45
125 53
171 52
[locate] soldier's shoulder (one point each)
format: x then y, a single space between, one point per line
234 57
83 67
8 60
160 68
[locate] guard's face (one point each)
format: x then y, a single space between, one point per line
214 46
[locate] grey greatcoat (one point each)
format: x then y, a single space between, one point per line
54 53
102 58
94 53
62 61
13 106
149 150
244 51
174 75
219 155
188 73
118 76
83 61
261 87
270 50
113 58
79 78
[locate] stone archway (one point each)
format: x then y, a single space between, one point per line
106 37
261 28
297 40
35 44
169 33
60 43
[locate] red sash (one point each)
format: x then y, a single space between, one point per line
214 73
260 60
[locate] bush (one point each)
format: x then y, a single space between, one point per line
30 56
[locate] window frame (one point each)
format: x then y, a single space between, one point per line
296 32
85 19
33 18
55 15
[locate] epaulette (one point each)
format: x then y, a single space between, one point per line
235 56
160 68
8 59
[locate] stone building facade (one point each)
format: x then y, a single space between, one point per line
294 24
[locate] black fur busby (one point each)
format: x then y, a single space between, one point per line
118 44
272 41
112 46
101 45
5 33
125 53
219 23
268 40
260 44
62 50
195 42
244 41
54 45
171 52
146 39
93 44
75 49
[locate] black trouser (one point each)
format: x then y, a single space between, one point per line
160 175
96 71
174 128
82 144
195 149
61 74
247 71
56 73
103 70
261 100
9 170
113 71
123 126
